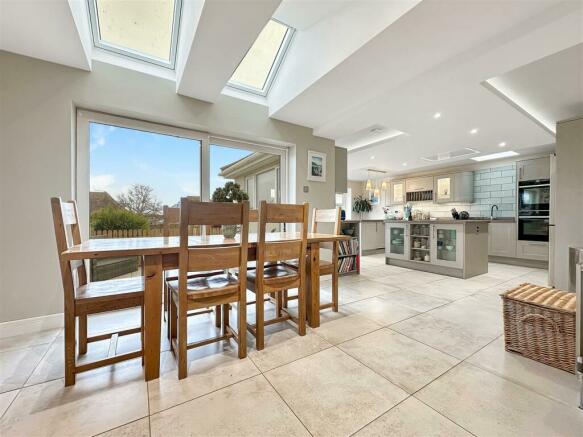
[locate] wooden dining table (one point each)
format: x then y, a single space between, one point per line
161 253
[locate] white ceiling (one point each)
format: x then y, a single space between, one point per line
510 69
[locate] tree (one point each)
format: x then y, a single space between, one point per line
231 192
140 200
109 219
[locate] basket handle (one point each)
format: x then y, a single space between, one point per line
525 319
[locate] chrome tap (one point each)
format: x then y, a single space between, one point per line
492 211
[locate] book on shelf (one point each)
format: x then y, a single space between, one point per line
346 265
349 247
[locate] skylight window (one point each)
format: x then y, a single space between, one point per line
258 68
142 29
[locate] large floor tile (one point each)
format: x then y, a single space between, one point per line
461 341
412 418
442 289
249 408
28 340
554 383
488 405
16 365
139 428
383 312
369 288
284 347
416 301
406 362
332 393
96 403
209 373
346 328
6 399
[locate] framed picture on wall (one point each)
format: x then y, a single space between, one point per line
374 198
316 166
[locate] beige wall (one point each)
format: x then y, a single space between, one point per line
569 198
37 127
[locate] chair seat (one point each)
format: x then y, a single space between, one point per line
326 267
111 289
274 276
172 275
207 286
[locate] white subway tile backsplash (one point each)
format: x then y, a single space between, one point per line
495 174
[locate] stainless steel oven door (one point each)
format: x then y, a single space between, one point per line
533 228
534 198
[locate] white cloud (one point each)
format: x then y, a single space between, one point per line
102 182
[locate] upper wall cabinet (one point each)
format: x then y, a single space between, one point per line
533 169
397 191
454 187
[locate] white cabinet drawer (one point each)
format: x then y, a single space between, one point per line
533 250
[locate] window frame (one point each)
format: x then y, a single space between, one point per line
279 57
134 54
80 157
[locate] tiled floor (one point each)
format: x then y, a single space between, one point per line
409 353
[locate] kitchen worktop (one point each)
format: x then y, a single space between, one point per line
453 221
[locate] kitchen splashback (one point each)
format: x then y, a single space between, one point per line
495 185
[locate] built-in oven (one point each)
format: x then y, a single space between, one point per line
533 227
534 196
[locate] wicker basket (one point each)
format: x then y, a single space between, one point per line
539 323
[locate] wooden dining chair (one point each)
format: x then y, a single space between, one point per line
209 289
272 275
171 218
326 267
83 298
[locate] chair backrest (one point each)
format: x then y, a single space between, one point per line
253 216
203 259
67 234
326 216
170 216
273 251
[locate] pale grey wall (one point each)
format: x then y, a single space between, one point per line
37 126
569 199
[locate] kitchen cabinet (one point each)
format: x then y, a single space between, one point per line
397 196
455 187
447 245
396 240
372 236
533 169
457 248
535 250
502 239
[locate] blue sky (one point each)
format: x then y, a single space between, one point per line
121 157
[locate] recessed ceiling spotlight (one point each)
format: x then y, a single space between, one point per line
372 157
437 115
474 131
502 144
404 164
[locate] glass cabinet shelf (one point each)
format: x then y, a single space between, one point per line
420 243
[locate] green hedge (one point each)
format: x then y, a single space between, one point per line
110 219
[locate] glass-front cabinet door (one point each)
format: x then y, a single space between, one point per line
396 245
420 242
447 245
397 191
443 187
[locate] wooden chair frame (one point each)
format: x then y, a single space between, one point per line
274 252
326 216
65 215
171 216
210 259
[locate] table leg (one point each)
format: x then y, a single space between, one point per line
313 286
152 319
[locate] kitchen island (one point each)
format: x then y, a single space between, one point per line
450 247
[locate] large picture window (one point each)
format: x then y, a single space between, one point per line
128 170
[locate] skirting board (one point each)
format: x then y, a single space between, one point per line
32 325
519 262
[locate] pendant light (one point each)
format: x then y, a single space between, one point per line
384 185
368 182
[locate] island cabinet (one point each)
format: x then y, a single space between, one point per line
372 236
456 248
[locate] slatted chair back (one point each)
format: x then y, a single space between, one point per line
204 259
274 251
67 234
